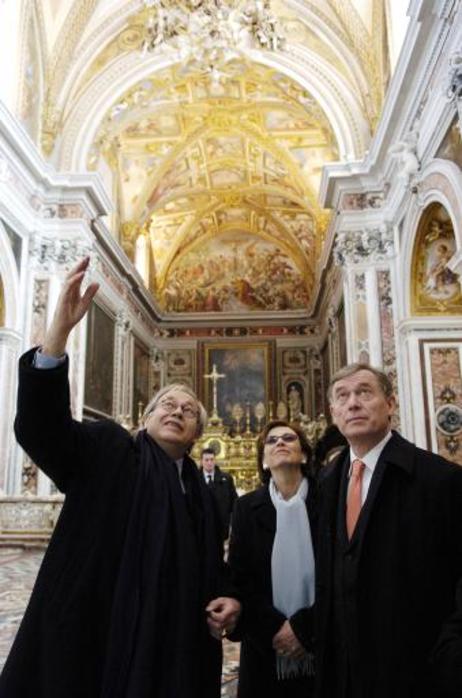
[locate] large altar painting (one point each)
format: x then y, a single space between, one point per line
245 385
235 273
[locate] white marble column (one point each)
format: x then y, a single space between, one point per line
10 454
367 258
123 370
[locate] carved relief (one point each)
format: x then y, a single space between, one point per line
363 200
294 360
368 245
405 151
29 519
454 85
180 366
39 310
29 477
49 253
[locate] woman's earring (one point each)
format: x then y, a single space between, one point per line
265 466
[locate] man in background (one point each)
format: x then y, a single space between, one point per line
221 485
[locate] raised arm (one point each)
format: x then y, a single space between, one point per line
70 309
44 426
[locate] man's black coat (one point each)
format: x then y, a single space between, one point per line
447 655
61 650
399 573
224 492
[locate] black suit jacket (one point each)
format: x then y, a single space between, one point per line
251 544
399 571
447 655
225 495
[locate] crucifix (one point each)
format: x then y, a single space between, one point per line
214 376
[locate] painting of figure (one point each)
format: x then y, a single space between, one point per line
245 381
440 281
436 288
99 363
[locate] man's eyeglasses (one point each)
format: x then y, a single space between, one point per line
170 406
286 438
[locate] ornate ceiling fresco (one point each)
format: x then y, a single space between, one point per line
214 181
200 168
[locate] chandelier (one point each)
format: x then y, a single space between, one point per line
206 35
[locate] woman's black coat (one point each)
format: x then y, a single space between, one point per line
251 544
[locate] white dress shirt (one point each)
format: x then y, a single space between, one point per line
208 474
370 461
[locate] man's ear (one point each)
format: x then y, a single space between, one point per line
391 406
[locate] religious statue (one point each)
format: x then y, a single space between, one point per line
406 151
295 403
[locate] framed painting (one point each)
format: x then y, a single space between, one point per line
99 363
141 394
245 371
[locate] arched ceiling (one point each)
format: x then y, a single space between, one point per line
197 164
215 181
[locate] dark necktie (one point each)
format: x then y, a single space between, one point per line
209 480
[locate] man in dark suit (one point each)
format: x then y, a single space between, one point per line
221 485
389 549
128 589
447 655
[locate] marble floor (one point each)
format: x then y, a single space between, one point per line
18 569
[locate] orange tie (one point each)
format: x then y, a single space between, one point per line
354 504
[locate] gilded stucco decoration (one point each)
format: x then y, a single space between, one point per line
224 180
436 288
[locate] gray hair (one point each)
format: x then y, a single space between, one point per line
383 379
152 404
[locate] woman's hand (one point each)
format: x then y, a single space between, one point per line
70 309
285 642
222 615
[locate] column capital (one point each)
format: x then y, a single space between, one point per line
369 245
55 253
123 322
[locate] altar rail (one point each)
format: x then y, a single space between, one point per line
28 521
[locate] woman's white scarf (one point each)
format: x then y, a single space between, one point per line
292 567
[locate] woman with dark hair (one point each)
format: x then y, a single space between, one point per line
272 563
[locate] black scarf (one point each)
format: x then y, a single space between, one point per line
159 646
